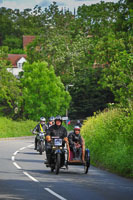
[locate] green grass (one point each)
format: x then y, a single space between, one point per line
109 136
10 128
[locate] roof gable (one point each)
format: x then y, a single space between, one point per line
14 58
21 60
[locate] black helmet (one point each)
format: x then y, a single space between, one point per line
51 119
58 117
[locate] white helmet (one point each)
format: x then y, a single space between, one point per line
42 119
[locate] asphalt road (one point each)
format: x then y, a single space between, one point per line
23 176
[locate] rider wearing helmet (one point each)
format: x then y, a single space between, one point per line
78 123
56 130
41 127
51 122
75 142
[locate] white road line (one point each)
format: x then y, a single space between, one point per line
55 194
15 153
16 165
13 158
30 145
22 148
31 177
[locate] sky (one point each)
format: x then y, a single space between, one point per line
67 4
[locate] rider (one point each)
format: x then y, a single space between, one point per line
56 130
78 123
41 127
75 142
51 122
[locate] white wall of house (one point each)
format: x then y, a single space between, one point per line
20 62
15 70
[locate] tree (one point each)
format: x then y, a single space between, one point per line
43 92
87 95
10 92
119 78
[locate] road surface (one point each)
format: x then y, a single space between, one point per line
23 176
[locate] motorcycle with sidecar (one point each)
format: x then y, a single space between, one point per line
61 156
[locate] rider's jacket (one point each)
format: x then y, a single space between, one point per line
40 128
74 138
57 131
49 125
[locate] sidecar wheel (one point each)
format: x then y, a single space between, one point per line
86 167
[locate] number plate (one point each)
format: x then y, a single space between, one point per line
57 142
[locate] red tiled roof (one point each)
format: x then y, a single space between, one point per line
15 57
27 39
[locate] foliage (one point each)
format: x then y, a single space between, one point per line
109 137
43 92
87 95
17 51
119 78
13 43
10 92
96 37
10 128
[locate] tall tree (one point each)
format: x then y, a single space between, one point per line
10 88
43 92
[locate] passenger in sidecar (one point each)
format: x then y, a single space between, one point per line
75 144
76 148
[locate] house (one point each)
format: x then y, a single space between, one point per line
17 61
27 39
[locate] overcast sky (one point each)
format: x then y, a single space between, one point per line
71 4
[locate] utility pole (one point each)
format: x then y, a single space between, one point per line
67 86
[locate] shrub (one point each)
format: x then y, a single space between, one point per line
109 137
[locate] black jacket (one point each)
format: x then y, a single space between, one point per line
57 131
38 128
73 137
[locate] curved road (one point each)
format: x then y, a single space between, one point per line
23 176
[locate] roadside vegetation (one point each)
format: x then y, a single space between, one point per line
10 128
109 136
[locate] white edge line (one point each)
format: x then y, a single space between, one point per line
30 145
32 178
15 153
16 165
55 194
22 148
13 158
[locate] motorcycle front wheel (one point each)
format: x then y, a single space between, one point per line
41 148
57 164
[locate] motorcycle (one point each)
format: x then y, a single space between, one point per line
40 142
58 154
62 156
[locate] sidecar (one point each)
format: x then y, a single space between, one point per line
85 159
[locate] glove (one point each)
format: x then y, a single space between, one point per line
66 139
48 138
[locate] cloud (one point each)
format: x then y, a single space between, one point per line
67 4
81 0
19 4
46 3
